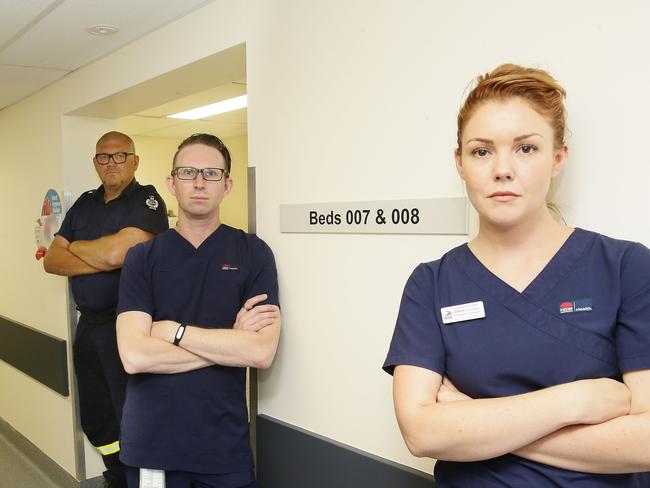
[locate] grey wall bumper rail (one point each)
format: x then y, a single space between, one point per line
35 353
290 457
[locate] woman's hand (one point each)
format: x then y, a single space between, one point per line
598 400
595 400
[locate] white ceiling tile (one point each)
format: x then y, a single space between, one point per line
16 15
212 71
223 130
18 82
139 126
235 117
60 39
154 123
213 95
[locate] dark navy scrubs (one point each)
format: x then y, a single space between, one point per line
586 315
91 218
195 421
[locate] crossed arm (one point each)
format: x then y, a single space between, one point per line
147 347
87 257
619 445
597 426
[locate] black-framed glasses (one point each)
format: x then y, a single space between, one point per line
117 157
189 173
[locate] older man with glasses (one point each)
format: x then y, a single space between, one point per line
90 248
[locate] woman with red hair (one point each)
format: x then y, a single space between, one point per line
522 359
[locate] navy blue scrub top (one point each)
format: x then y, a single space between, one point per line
195 421
90 218
586 315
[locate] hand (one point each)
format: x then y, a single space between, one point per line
600 399
72 247
449 393
255 317
165 330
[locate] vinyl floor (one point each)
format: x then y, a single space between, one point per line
17 471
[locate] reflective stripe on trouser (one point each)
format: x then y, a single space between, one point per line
111 448
102 388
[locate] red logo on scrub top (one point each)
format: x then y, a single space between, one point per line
566 307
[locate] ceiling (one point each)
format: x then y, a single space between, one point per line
43 40
153 122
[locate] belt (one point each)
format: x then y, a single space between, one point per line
101 317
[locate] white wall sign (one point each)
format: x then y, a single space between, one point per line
422 216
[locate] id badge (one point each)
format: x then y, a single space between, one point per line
462 312
152 478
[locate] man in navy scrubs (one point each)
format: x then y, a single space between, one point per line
198 304
90 247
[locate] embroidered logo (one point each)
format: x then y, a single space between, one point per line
151 202
229 267
582 305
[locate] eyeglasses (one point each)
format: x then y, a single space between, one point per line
118 157
189 173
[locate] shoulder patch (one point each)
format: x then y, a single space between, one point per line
151 202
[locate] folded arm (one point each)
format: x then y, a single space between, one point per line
251 342
142 353
472 430
107 253
59 260
617 446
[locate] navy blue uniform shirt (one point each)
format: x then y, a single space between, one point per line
90 218
195 421
586 315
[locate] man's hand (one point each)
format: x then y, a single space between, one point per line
165 330
449 393
251 342
107 253
141 352
61 261
251 317
255 317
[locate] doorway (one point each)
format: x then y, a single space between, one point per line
141 112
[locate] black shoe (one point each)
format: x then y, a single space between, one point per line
114 484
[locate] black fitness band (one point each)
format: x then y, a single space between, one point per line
179 334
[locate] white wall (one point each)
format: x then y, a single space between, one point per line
234 209
156 155
348 100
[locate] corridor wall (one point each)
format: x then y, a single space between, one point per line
348 100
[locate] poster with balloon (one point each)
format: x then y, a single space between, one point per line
48 223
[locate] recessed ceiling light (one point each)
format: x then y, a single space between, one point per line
102 30
212 109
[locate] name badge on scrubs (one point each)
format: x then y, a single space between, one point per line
462 312
152 478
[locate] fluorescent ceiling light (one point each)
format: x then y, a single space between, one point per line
212 109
